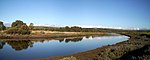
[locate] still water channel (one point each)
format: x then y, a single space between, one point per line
34 49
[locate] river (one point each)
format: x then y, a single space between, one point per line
34 49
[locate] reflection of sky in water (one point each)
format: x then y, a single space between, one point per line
56 48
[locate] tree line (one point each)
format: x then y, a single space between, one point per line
19 27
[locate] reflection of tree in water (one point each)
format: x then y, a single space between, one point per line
73 40
20 44
38 41
61 40
2 44
87 37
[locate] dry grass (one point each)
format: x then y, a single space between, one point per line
52 32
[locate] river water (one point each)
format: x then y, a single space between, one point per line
34 49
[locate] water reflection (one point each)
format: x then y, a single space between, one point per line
20 44
41 48
24 44
87 37
73 40
69 39
2 44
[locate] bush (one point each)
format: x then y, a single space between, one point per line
13 30
18 27
2 27
69 58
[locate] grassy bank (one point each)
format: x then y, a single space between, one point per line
48 35
137 47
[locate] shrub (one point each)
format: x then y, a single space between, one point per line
2 27
69 58
18 27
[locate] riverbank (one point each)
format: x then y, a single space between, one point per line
137 47
49 35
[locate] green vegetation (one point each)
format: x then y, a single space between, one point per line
138 54
18 27
2 27
61 29
31 26
74 29
79 29
127 50
136 48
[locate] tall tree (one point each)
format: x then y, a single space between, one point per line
2 27
31 26
67 27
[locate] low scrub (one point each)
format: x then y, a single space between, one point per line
69 58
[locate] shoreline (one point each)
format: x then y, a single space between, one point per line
49 36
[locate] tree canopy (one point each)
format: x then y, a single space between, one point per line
17 23
2 27
18 27
31 26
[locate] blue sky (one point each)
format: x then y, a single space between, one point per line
114 13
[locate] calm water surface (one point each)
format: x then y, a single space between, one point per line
33 49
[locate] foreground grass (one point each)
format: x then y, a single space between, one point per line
137 47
